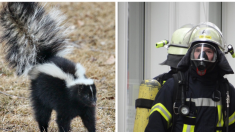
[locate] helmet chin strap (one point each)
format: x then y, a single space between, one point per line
201 73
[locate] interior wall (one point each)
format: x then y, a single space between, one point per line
135 58
121 95
228 28
156 29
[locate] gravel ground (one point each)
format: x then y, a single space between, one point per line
93 38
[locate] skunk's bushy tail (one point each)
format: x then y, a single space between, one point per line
31 35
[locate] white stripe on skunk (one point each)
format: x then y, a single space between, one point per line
80 71
53 70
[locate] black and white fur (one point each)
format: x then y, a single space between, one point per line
35 42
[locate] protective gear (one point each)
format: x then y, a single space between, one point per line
203 52
161 43
177 49
205 32
147 92
176 40
231 51
203 56
208 33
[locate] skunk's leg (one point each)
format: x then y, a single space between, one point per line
88 119
63 122
42 114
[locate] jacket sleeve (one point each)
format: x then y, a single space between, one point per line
161 113
232 109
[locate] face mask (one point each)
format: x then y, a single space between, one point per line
203 57
200 65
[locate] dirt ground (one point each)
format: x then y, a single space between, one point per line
93 38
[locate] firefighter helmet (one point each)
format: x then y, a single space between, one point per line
176 46
205 32
177 49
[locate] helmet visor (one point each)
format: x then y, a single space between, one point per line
203 52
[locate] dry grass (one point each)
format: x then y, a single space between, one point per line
93 26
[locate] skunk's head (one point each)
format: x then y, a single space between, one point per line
82 88
85 94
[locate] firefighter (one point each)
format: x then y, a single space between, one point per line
201 99
149 88
176 50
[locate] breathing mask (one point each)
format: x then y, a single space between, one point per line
203 56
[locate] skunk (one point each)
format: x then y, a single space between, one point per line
34 44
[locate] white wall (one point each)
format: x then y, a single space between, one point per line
156 29
228 29
122 66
